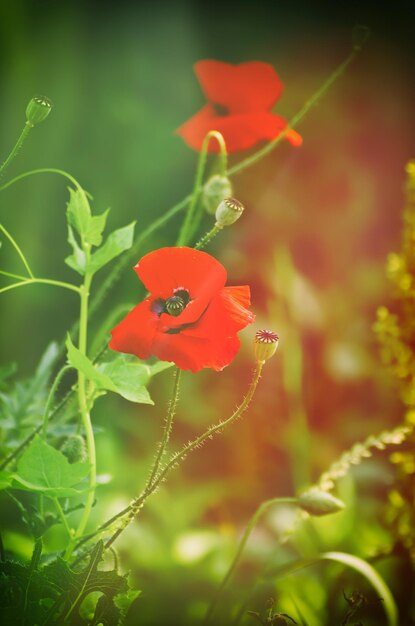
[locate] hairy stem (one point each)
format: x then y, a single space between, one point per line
23 135
18 250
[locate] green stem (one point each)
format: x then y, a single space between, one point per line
26 129
42 281
10 275
207 238
62 516
248 530
18 250
51 396
132 510
186 229
42 170
167 427
86 420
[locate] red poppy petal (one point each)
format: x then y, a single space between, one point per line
239 131
136 332
225 315
246 87
195 353
166 269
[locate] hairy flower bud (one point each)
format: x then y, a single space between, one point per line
38 109
265 345
317 502
228 211
74 448
216 189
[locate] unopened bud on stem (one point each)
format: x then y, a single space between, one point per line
216 189
318 502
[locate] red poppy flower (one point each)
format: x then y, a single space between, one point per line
240 98
190 317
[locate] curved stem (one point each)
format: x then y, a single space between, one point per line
186 230
18 250
42 281
263 507
42 170
167 427
26 129
136 505
51 396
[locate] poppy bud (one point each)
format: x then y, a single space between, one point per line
265 345
215 190
37 110
74 448
317 502
228 211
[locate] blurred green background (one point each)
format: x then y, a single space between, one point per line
312 244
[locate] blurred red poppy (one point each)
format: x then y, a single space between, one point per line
240 98
190 317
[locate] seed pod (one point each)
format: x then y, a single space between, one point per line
228 211
265 345
38 109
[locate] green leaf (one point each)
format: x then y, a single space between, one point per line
130 378
116 243
95 228
43 468
77 260
84 365
375 579
78 210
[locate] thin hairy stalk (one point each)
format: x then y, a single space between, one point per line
85 417
41 281
42 170
167 428
22 137
207 238
248 530
60 375
132 509
18 250
187 226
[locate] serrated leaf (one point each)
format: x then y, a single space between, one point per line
43 468
77 260
116 243
82 363
95 228
130 378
